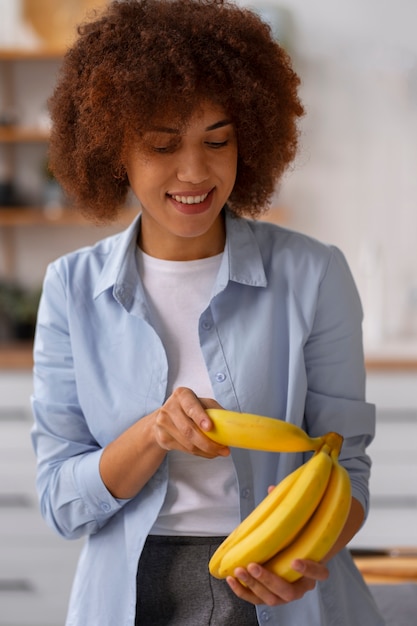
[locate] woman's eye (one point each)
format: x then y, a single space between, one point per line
163 149
217 144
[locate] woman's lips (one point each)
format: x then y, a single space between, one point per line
191 199
192 203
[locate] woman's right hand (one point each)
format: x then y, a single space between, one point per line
129 461
179 423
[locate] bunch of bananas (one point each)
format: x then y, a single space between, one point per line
302 516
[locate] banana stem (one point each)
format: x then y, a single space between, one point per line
334 441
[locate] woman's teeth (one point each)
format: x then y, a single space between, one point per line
190 199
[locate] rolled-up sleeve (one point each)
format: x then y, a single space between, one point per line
73 498
336 373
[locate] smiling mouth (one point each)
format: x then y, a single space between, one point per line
190 199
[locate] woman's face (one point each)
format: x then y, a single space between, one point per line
182 179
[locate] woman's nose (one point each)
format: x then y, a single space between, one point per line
192 167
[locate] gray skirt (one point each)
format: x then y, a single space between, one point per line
175 588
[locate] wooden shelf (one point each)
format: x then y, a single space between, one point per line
23 54
19 356
24 216
391 364
387 569
16 356
17 134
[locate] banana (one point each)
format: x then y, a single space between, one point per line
323 529
258 515
283 523
245 430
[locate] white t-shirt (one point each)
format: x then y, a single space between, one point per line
202 497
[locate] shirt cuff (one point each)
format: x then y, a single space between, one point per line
92 490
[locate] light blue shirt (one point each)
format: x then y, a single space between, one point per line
281 337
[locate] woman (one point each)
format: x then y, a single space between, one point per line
193 107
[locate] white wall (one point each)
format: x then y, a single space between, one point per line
355 180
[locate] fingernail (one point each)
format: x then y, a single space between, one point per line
254 570
298 565
243 577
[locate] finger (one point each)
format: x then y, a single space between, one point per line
266 587
310 569
249 589
245 593
194 409
172 437
177 427
288 590
261 579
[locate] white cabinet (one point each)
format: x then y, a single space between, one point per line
36 565
392 519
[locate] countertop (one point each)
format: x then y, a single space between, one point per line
389 356
392 354
390 566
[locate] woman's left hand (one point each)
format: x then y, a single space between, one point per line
260 586
263 587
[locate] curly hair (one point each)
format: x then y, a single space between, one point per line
142 58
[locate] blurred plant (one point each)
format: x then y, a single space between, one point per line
18 310
46 171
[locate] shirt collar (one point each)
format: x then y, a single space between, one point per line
242 261
243 255
119 270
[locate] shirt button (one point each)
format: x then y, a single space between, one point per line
220 377
265 617
105 506
206 325
245 492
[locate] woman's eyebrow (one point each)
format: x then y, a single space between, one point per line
219 124
164 129
176 131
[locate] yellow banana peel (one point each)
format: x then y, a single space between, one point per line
252 521
302 516
273 533
321 531
256 432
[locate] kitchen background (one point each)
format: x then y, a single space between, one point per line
354 184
